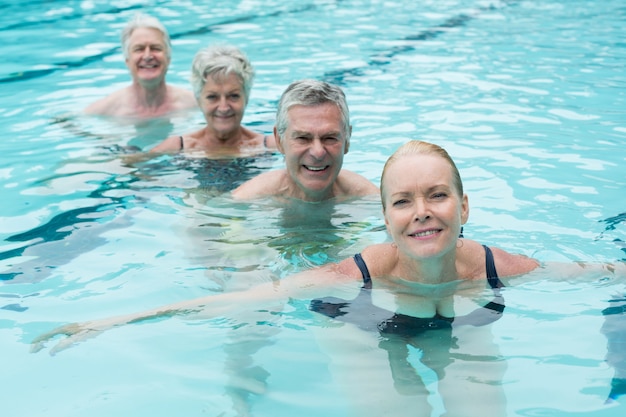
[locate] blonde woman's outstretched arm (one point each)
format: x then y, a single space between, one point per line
321 281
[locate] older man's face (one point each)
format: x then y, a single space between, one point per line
314 144
147 56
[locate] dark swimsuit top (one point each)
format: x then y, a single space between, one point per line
226 174
182 142
367 316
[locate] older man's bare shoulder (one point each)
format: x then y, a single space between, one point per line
355 184
263 185
182 99
115 104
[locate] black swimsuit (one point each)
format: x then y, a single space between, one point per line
182 142
225 174
364 314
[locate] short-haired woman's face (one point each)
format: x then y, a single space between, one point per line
223 103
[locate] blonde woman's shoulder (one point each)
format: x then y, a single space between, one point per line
471 258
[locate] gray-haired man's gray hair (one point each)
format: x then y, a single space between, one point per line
311 93
141 20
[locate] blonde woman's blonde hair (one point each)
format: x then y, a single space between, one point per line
418 147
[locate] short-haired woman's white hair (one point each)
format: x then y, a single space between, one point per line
221 60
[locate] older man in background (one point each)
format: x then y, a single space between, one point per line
147 52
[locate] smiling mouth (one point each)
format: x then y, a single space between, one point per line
315 169
425 233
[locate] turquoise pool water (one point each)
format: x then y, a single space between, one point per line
527 96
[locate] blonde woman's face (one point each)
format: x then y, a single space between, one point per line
423 211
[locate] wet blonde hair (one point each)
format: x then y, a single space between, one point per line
417 147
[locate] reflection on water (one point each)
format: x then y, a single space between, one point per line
277 238
109 196
127 135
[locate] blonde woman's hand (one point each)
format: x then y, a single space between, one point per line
75 332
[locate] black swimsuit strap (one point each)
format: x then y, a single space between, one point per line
367 279
490 266
182 143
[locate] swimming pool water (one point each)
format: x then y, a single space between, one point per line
527 96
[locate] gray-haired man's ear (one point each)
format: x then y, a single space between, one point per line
279 141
